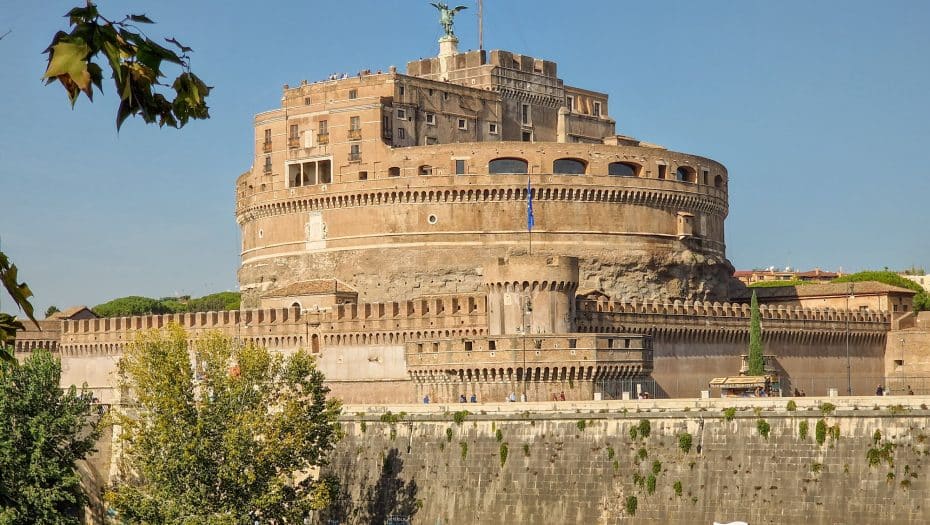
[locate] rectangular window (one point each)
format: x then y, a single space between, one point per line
324 127
469 345
401 133
525 116
431 119
267 165
306 101
402 114
570 102
492 345
430 141
353 93
597 109
706 176
363 175
294 132
463 124
662 169
459 166
401 91
492 128
527 136
355 152
267 136
355 123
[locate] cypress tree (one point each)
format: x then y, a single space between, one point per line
755 339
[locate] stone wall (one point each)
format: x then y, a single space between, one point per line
582 463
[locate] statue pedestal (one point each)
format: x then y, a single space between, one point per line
448 45
448 48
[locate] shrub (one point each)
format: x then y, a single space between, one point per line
459 417
677 487
877 436
610 453
499 435
634 434
642 453
363 427
763 427
656 467
651 483
464 447
820 432
802 429
526 449
503 453
644 428
631 505
729 413
449 434
581 425
827 408
684 442
792 406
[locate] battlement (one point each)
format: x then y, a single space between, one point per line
735 310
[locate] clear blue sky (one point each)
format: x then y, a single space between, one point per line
819 110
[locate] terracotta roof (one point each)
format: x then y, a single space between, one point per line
826 289
68 313
313 287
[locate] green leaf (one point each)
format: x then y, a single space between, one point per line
142 19
20 292
69 58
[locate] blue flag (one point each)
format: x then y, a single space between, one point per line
529 206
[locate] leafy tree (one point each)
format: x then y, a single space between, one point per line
44 431
135 62
51 310
921 299
756 363
20 293
216 301
130 305
230 443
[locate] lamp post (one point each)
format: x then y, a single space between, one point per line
848 366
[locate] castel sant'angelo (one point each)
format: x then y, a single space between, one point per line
385 228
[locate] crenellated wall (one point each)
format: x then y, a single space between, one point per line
361 346
695 342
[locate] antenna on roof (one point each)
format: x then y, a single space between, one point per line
480 27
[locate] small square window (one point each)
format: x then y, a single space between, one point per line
492 128
353 93
463 124
527 136
469 345
402 114
363 175
431 119
459 166
401 133
431 141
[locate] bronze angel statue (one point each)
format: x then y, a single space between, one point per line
446 15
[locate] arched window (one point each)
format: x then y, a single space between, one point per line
622 169
507 165
684 174
425 170
569 167
718 181
394 172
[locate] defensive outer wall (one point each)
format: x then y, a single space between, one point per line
361 347
864 462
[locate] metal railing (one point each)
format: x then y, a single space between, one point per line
355 157
266 147
322 138
355 134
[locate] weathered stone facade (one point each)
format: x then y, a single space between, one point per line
403 185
